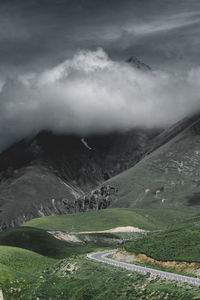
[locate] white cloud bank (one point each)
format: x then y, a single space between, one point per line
91 94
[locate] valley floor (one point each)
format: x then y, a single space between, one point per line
36 264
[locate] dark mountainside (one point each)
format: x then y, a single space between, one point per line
51 174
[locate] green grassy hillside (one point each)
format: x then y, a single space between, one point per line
42 242
24 260
93 220
169 177
178 245
148 219
36 240
31 276
20 271
28 275
21 265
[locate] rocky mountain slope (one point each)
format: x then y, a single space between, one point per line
51 174
169 174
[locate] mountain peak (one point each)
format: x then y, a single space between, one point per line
138 64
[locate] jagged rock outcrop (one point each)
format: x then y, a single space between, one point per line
135 62
96 200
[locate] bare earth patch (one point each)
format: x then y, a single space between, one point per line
65 236
190 268
124 256
193 268
117 229
72 236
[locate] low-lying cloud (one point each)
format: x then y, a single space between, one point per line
91 94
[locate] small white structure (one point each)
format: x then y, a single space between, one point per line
85 144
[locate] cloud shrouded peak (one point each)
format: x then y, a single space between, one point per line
91 94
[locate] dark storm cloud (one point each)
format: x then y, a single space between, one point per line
37 33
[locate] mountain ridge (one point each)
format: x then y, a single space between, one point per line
51 174
168 176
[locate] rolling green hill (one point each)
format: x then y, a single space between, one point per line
43 243
24 260
147 219
93 220
36 240
28 276
177 245
20 271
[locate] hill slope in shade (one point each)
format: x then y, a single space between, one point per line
36 240
46 244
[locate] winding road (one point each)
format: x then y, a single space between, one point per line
102 257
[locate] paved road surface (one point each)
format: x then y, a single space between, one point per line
101 257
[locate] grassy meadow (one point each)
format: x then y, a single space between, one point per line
36 265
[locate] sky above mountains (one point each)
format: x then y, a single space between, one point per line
36 34
62 65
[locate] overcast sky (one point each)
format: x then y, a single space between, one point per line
40 33
62 65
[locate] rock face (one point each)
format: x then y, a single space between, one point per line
50 174
135 62
99 198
